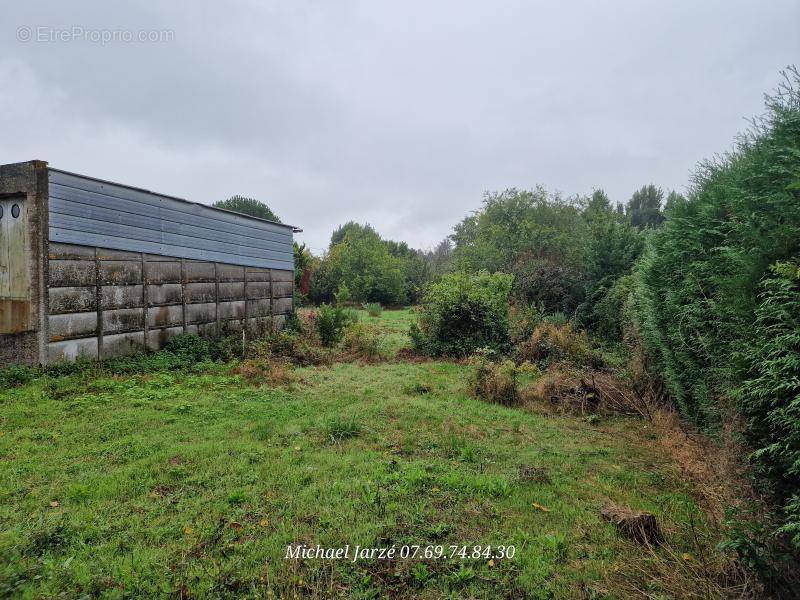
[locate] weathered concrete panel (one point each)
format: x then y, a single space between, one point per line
282 289
231 310
260 327
282 305
69 273
258 308
258 289
122 344
72 299
199 271
156 338
72 350
163 272
56 251
72 325
206 329
230 272
106 254
278 275
279 322
231 291
167 293
201 313
200 292
121 296
232 326
256 274
122 319
164 316
120 271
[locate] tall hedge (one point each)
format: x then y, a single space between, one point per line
705 295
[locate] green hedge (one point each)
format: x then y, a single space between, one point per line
715 309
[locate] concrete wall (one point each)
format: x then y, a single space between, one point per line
23 314
104 303
91 268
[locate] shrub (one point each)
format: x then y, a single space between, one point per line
331 321
227 347
363 341
342 295
374 309
294 346
14 375
463 312
550 343
495 382
189 345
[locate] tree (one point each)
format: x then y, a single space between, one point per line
248 206
538 237
362 262
644 207
354 228
303 263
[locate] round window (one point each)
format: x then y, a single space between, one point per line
15 211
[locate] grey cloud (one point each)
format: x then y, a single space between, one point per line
396 114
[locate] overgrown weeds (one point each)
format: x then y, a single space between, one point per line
272 371
362 341
551 343
374 309
496 382
339 428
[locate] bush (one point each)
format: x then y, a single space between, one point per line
550 343
189 345
294 346
374 309
227 347
495 382
462 313
363 341
331 321
14 375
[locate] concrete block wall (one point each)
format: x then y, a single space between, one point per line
103 303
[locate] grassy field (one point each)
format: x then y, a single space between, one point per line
192 484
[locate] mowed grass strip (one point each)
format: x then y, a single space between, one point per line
194 485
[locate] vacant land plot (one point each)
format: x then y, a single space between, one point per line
193 483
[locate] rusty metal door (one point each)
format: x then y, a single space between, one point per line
15 296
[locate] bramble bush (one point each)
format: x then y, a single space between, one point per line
463 312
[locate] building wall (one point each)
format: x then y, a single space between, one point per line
23 313
104 302
102 269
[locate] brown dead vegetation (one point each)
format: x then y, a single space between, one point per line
582 392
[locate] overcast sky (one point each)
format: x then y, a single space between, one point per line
400 114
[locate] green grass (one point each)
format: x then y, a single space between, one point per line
193 483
